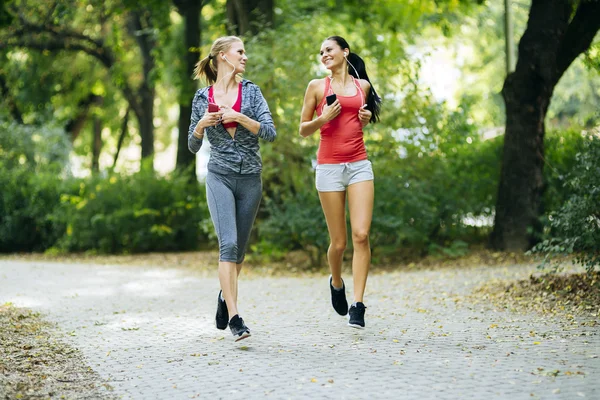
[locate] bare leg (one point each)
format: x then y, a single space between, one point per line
228 277
334 208
360 203
239 269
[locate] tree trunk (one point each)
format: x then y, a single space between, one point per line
145 118
121 137
549 45
249 16
190 11
508 37
140 27
96 145
75 125
48 37
97 137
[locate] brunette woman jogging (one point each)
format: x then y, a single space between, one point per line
343 170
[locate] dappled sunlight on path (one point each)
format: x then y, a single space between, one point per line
150 331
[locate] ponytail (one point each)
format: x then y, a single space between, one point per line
206 67
356 68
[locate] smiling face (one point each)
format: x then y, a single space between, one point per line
332 55
236 55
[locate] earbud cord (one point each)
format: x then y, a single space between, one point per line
230 73
353 80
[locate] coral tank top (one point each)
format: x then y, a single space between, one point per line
342 137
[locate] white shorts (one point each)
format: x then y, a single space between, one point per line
337 177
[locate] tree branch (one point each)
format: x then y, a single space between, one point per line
579 35
103 54
57 43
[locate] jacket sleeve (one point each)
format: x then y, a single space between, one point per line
195 143
263 116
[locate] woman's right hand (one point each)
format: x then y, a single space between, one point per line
332 111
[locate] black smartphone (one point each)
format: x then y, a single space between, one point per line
330 99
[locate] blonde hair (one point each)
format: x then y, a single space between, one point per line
208 65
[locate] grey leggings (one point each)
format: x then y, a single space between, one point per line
233 202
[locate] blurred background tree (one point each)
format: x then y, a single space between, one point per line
86 71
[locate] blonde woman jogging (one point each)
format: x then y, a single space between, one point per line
233 115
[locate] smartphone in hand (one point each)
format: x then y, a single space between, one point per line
212 107
330 99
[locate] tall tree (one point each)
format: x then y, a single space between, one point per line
190 11
56 26
557 33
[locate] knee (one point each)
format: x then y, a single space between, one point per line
228 251
338 246
240 257
360 238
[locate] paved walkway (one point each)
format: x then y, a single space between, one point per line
150 332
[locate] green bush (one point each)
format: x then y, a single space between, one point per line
575 228
137 213
26 201
430 181
296 224
561 149
32 161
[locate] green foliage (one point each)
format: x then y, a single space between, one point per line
436 178
137 213
41 206
296 224
5 17
575 227
560 155
33 148
25 200
32 160
433 183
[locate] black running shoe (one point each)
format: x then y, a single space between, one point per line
239 330
338 298
357 315
222 318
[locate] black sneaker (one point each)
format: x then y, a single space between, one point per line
357 315
222 318
239 330
338 298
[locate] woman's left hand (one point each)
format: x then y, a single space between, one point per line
229 115
364 115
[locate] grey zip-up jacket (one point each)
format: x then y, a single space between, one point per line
239 154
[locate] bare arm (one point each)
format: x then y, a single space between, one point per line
308 125
364 115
